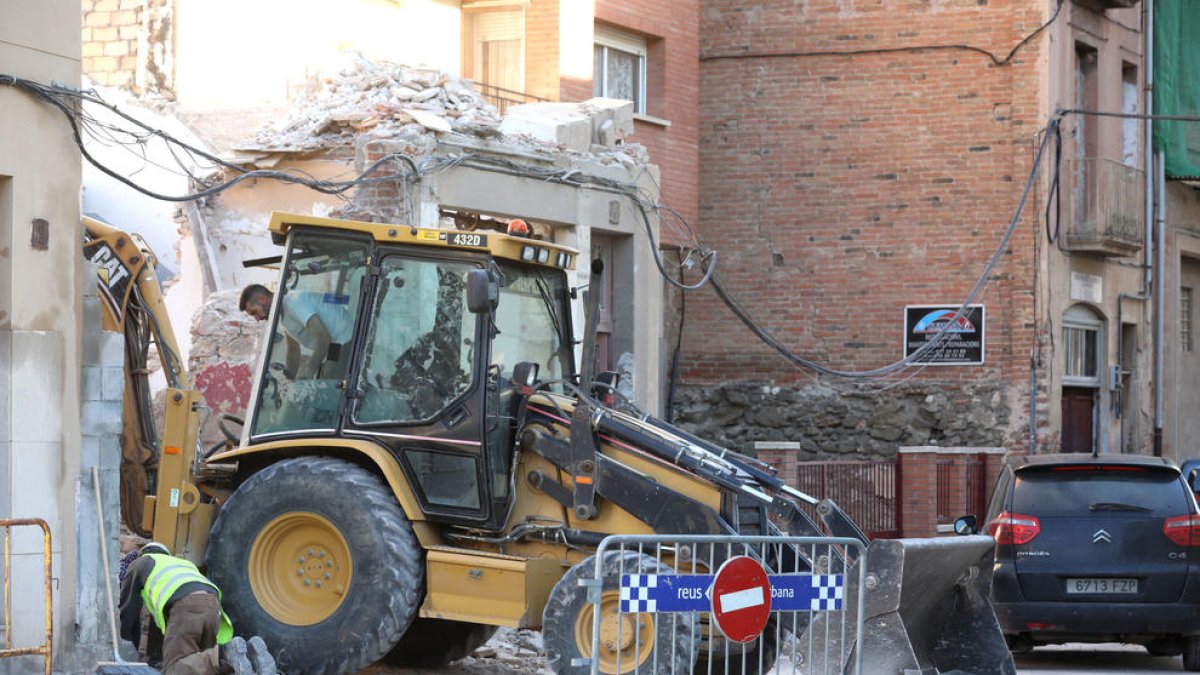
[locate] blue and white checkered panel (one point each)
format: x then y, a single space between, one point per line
829 591
637 593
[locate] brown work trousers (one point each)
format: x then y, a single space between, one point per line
190 643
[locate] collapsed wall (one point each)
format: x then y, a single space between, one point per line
225 347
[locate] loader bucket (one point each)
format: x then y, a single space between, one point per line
926 612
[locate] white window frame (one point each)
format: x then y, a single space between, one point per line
608 38
1081 318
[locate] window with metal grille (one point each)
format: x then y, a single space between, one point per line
1185 318
620 66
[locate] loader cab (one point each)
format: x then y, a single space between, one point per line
410 365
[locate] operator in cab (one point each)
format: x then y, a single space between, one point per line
185 607
321 323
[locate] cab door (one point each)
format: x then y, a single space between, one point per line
416 386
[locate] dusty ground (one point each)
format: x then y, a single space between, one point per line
509 652
518 652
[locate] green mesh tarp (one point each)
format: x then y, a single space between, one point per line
1177 84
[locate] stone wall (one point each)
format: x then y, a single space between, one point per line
848 423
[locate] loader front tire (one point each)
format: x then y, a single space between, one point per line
315 555
661 644
431 643
731 658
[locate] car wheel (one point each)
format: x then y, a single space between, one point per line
1191 653
1165 647
1019 644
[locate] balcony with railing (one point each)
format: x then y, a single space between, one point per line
1102 207
503 98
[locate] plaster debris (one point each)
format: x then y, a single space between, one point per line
379 100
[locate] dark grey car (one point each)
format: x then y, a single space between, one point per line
1097 549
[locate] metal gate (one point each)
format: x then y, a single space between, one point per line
726 604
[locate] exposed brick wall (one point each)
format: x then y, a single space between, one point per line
129 43
672 34
840 188
672 91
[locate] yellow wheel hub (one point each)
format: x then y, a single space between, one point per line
300 568
626 640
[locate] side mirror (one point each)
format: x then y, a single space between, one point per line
524 377
483 292
966 525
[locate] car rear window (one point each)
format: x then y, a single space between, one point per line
1077 491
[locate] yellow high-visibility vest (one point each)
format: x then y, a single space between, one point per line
167 576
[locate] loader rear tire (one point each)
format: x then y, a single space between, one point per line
315 555
431 643
658 644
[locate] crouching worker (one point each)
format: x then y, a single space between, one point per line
197 636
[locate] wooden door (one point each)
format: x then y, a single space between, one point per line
1078 407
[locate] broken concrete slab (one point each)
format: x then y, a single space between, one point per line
563 124
612 119
429 120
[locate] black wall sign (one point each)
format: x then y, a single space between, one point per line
960 345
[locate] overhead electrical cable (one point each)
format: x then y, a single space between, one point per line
407 169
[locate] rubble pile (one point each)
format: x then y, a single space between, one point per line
380 100
511 650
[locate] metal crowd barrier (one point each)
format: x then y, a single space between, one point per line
46 649
726 604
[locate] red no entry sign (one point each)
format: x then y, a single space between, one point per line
741 599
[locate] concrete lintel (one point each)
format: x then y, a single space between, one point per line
913 449
514 196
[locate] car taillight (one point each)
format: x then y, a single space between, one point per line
1014 528
1183 530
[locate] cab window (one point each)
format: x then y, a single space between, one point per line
315 312
419 347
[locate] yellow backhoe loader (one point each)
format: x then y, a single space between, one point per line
438 468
